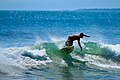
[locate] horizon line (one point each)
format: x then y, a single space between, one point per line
59 9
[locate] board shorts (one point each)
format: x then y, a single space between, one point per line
69 43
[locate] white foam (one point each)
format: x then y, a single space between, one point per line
39 41
103 63
114 48
13 56
59 42
98 62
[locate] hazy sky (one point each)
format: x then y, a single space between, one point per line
57 4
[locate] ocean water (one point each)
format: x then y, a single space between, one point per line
30 42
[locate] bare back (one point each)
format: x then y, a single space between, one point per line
74 37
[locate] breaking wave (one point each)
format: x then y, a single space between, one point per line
102 56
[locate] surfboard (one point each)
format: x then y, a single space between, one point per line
67 49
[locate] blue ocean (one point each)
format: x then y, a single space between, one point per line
30 43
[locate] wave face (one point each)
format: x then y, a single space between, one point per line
49 53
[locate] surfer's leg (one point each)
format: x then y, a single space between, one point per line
68 43
71 43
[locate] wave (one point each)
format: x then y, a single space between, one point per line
107 51
44 54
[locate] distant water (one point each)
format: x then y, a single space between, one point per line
30 43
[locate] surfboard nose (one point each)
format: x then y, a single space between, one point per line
67 49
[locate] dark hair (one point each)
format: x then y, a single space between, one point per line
81 34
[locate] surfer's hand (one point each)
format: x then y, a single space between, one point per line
87 36
81 49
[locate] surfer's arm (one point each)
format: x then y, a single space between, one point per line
79 45
86 36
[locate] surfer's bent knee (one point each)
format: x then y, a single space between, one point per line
68 43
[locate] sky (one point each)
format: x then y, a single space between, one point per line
57 4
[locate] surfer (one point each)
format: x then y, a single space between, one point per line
72 38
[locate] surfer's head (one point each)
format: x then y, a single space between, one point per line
81 35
